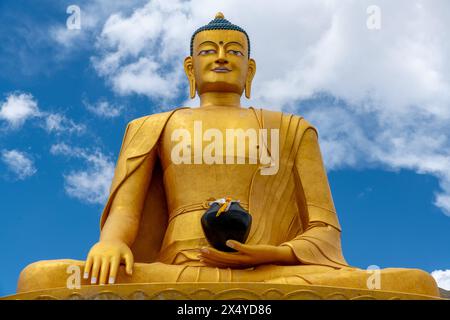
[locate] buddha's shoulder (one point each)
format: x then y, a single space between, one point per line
292 117
153 117
268 114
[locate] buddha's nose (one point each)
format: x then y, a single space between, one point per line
221 57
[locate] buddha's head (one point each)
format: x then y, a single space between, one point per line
220 59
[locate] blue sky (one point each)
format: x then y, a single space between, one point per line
64 104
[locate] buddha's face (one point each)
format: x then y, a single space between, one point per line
220 62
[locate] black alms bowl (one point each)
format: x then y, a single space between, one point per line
233 224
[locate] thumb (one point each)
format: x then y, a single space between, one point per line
236 245
129 263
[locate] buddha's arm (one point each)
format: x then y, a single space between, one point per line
123 220
320 242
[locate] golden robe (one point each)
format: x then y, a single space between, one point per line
276 202
293 207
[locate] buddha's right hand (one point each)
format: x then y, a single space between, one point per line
105 258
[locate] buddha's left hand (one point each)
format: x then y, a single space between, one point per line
247 255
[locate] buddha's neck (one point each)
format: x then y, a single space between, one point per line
220 99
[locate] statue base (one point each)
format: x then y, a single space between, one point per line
214 291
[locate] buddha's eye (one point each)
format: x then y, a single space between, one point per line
236 52
206 52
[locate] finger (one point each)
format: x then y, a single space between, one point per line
115 262
104 270
212 263
95 269
222 262
220 256
87 267
233 260
244 248
129 261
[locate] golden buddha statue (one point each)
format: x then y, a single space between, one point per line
150 226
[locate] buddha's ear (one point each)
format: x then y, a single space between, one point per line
250 75
189 69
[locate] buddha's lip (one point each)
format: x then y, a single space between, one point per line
221 69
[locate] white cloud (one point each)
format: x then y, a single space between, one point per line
58 123
67 38
92 183
17 108
19 163
142 77
142 53
93 13
442 277
378 97
104 109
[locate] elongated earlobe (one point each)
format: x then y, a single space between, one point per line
189 70
192 88
250 75
248 89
